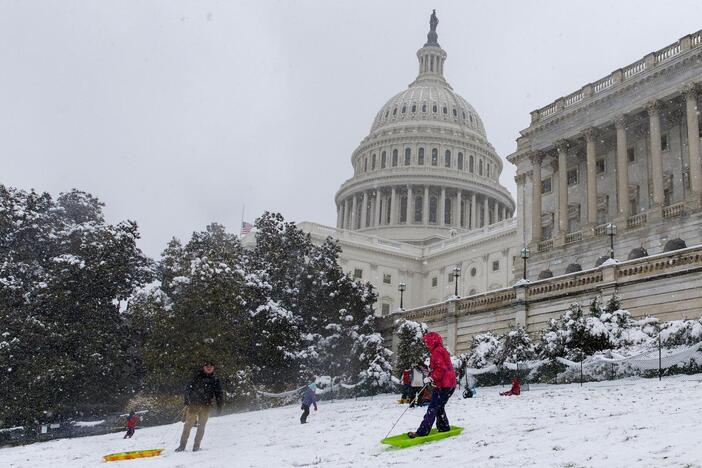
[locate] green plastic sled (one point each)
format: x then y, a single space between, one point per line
403 441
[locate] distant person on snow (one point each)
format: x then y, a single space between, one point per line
515 390
199 393
309 397
416 383
406 385
132 421
443 377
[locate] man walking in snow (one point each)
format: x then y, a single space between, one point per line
309 397
443 377
199 393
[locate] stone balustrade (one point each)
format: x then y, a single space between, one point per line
617 77
673 210
666 285
636 220
573 237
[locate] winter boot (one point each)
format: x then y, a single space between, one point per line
195 449
180 449
411 435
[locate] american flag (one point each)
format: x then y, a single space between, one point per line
245 228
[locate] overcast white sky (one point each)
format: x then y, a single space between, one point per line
176 113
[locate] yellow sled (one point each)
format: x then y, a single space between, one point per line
133 454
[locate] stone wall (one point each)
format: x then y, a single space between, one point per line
667 286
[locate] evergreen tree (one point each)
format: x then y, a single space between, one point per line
516 347
411 350
64 277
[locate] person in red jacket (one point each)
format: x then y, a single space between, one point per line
406 387
443 377
515 390
132 421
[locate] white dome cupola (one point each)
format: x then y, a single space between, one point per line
426 168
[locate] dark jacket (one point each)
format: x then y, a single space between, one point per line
309 397
202 389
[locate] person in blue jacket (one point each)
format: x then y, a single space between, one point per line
309 398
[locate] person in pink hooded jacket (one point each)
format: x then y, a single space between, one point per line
443 377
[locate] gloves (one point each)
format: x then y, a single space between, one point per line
428 380
315 408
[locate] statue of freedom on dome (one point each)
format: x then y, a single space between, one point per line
433 21
432 37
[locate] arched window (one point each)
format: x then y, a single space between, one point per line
447 211
471 118
383 160
414 108
420 157
480 167
408 156
373 162
432 209
470 163
403 209
424 107
488 169
434 157
387 112
447 158
434 108
445 110
418 205
394 158
365 165
455 113
404 109
394 111
460 161
464 115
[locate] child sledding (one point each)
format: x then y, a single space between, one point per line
515 390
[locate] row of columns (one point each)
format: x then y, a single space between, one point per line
622 179
385 207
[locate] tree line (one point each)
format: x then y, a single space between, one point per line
89 323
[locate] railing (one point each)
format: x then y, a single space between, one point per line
564 283
487 301
628 72
601 230
668 52
681 261
545 112
573 237
573 98
636 220
671 211
602 84
634 69
545 246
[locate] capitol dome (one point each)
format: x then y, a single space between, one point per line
427 102
426 169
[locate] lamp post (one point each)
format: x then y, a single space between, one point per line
456 275
401 287
611 230
524 254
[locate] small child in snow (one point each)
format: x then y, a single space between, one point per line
132 421
406 385
308 398
515 390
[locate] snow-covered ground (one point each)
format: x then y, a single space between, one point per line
635 422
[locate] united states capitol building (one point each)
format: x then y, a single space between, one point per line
615 164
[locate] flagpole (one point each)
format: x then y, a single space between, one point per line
241 225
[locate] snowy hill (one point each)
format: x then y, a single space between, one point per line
632 422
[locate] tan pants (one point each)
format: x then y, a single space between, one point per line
198 413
